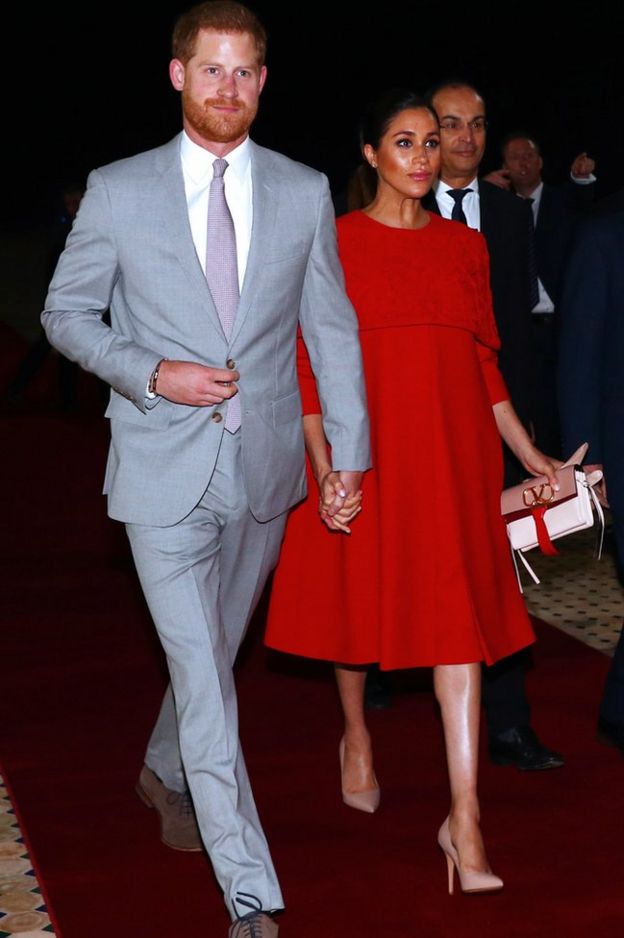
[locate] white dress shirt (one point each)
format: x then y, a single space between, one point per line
544 304
197 170
470 202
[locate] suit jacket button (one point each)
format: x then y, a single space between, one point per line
231 364
217 417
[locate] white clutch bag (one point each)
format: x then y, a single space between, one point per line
536 515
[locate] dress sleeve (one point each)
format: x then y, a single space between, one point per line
307 381
496 387
488 341
487 328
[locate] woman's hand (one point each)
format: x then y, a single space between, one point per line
522 446
535 462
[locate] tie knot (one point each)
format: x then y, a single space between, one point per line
458 194
219 167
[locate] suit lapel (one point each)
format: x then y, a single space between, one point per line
262 230
175 223
487 215
430 203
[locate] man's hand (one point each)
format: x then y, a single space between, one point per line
582 166
351 481
340 500
339 520
197 385
499 177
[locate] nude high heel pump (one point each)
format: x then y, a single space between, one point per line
469 882
360 800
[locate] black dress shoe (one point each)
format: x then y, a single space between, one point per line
611 733
520 746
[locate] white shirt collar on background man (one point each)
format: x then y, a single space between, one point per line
197 170
536 195
544 304
470 202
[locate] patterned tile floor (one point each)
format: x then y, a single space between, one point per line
23 911
578 594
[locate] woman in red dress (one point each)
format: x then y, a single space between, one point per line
426 577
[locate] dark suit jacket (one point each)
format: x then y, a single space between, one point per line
560 211
506 226
608 204
591 353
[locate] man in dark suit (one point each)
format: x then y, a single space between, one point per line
591 395
609 204
506 226
556 211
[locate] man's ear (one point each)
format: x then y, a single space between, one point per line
176 74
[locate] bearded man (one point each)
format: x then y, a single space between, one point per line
209 253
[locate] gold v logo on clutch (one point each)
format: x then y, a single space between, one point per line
538 495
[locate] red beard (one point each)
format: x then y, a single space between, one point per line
218 126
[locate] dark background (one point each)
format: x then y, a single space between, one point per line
100 88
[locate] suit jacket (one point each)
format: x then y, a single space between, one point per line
609 204
506 226
561 208
131 250
591 352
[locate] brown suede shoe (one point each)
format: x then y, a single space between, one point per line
178 824
254 925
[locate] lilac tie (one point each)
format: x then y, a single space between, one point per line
222 269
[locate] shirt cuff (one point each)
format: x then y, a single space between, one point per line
583 180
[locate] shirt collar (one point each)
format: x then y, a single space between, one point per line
442 187
537 193
197 161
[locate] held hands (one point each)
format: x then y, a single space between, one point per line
196 385
340 499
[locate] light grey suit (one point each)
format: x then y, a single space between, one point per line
205 510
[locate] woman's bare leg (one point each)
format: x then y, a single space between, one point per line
458 690
358 774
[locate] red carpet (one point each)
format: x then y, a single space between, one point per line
82 677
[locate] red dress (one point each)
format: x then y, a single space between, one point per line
426 577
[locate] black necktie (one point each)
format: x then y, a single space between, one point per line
458 197
533 285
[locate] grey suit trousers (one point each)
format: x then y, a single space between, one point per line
202 578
